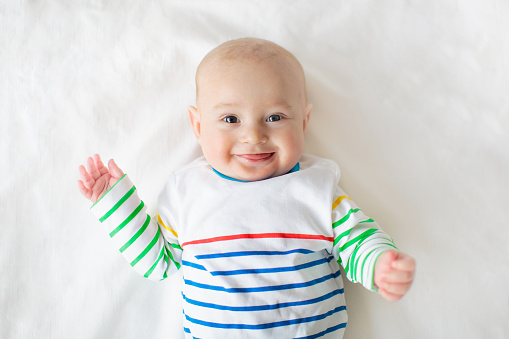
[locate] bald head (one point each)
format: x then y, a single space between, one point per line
250 50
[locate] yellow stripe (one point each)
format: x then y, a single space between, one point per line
339 200
162 224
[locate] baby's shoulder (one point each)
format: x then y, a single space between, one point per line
313 162
188 173
197 164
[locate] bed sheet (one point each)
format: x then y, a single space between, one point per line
410 98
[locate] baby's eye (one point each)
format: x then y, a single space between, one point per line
274 118
231 119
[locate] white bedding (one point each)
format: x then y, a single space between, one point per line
410 98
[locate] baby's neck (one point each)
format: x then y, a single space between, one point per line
295 168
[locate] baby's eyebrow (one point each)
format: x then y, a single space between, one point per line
277 105
225 105
282 105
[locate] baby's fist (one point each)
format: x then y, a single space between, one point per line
394 274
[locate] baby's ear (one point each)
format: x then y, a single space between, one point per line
307 114
194 116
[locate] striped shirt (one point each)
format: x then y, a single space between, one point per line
259 259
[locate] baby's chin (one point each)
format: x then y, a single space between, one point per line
247 176
256 177
253 168
244 174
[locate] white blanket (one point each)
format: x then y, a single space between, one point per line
410 98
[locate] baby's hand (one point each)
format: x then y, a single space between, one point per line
98 179
394 274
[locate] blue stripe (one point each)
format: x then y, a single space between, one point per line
263 307
295 168
226 177
186 330
251 253
193 265
262 270
327 331
264 288
267 325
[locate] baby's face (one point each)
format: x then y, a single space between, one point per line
250 118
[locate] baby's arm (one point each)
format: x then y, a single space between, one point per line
146 243
394 274
368 254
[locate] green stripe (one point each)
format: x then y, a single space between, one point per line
365 259
362 266
347 268
373 272
165 274
390 244
149 272
341 236
338 239
118 204
355 262
148 248
136 236
359 238
170 255
362 237
355 270
129 218
354 254
347 232
177 246
345 218
107 191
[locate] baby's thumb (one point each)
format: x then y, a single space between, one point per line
115 171
390 257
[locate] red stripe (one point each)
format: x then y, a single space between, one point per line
259 236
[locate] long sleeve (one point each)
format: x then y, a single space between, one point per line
358 240
148 244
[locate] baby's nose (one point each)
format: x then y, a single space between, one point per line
253 135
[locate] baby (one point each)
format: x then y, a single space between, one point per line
257 227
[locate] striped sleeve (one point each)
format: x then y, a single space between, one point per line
358 240
149 245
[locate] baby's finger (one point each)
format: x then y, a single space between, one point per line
92 168
83 190
99 164
396 289
393 293
87 180
115 171
404 262
398 277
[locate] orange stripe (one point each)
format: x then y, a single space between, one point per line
260 236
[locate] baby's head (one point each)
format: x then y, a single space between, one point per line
251 110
